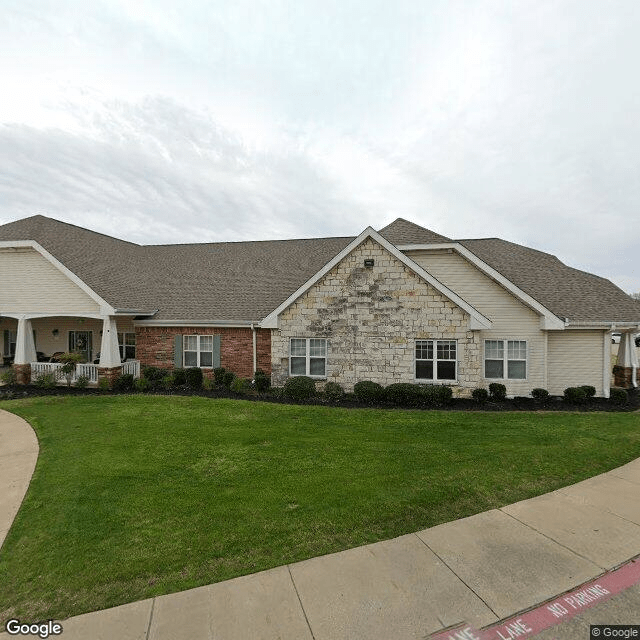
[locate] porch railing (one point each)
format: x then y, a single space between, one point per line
131 367
88 370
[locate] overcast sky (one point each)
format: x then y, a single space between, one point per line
161 122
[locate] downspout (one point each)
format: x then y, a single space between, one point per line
255 349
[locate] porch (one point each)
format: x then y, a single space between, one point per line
87 370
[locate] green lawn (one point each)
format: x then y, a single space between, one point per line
135 496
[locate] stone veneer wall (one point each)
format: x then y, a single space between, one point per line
155 347
372 317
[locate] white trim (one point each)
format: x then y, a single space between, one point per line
606 365
192 323
105 307
308 357
36 316
198 351
548 320
477 320
434 360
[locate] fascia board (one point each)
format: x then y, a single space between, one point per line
550 320
105 307
477 319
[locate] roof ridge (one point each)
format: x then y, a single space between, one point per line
202 244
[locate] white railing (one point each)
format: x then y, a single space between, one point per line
88 370
131 367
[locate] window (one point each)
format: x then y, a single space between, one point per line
436 359
308 357
198 351
9 343
127 344
505 357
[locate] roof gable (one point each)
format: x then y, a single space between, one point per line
401 231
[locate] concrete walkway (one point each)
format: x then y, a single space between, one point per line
476 570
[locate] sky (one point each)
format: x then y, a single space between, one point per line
162 122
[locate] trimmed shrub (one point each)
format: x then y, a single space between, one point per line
168 382
82 382
46 381
404 393
574 395
179 377
497 391
218 375
103 384
262 381
228 378
368 391
154 374
333 391
480 395
240 385
589 391
142 385
123 382
618 396
299 387
540 394
9 377
193 377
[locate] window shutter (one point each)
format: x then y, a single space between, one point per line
177 354
216 351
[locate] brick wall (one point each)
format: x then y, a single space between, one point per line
155 347
372 318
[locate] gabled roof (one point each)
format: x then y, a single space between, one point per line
245 281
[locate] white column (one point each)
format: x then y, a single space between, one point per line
628 356
25 347
109 351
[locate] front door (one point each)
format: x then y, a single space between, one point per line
81 342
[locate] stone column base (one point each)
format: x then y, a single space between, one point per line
622 377
110 374
23 373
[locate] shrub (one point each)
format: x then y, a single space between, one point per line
193 377
368 391
179 377
480 395
539 394
103 384
589 391
299 387
168 382
142 385
45 381
82 382
262 381
228 379
333 391
207 383
438 394
69 361
574 395
497 391
240 385
218 375
123 382
9 377
403 393
154 374
618 396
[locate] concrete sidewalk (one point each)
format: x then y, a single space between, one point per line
478 570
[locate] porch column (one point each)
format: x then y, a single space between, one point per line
110 366
626 370
25 351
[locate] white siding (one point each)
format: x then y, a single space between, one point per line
31 284
511 318
575 358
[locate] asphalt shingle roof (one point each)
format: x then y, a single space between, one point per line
245 281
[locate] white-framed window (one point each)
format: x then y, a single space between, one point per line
127 345
505 359
308 357
197 351
436 360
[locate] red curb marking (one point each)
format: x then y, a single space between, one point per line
564 607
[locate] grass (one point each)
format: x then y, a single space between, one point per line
136 496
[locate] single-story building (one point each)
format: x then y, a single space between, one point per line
402 304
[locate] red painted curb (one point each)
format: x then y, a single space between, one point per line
564 607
